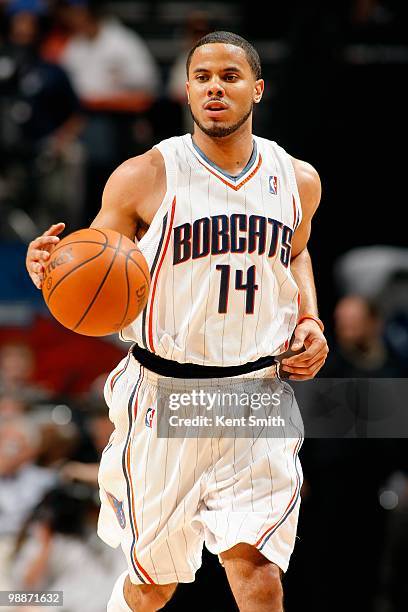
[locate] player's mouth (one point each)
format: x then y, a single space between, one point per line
215 108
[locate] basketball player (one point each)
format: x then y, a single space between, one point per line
223 218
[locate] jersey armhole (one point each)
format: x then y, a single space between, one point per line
168 153
170 168
295 194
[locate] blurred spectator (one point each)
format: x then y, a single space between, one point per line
39 117
116 78
58 33
22 482
367 270
59 441
197 25
80 472
12 405
377 20
16 373
360 349
58 550
394 305
64 362
99 428
110 65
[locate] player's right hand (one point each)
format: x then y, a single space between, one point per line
39 250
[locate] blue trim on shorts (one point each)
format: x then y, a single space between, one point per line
292 507
130 423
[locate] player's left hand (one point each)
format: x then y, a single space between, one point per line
307 364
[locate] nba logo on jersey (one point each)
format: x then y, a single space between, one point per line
118 509
273 185
149 417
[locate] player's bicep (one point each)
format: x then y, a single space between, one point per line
119 210
301 237
310 192
110 218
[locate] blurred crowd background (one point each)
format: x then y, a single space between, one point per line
85 85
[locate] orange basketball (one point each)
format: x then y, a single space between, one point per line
96 282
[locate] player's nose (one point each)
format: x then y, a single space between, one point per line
215 89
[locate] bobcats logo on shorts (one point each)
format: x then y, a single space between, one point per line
118 509
149 417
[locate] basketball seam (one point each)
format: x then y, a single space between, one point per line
129 258
128 254
100 286
83 263
83 241
128 293
136 264
61 246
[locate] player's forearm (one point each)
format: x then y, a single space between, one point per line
302 270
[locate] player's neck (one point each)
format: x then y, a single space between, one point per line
230 153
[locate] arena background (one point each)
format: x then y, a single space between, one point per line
335 96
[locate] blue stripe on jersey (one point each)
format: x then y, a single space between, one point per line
107 448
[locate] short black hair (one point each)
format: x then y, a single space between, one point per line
230 38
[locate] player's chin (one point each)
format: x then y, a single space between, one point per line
223 118
215 123
218 129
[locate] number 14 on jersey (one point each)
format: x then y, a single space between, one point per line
249 287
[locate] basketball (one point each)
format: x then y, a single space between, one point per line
96 282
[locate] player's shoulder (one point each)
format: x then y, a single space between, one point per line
145 166
150 165
136 179
307 179
305 170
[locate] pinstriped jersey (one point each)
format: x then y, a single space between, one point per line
219 250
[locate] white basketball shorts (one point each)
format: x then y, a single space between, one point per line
162 498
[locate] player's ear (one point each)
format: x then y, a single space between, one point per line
258 90
188 92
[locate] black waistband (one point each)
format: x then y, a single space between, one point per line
167 367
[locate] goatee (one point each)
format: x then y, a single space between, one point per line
219 131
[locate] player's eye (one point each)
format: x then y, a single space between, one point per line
231 77
201 77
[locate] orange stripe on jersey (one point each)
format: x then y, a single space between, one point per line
239 185
157 276
119 373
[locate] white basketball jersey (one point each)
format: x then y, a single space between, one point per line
219 249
